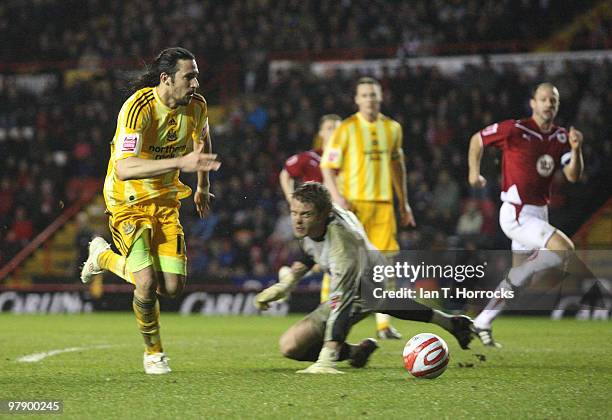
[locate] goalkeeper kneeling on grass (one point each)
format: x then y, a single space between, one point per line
334 239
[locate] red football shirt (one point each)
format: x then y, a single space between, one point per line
305 166
529 158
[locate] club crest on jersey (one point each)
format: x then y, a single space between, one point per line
128 227
562 137
171 136
334 300
545 165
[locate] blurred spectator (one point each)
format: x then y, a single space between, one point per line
471 220
446 194
22 227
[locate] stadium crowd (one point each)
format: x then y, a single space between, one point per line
52 140
243 31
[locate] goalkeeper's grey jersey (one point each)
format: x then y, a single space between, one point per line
347 255
345 251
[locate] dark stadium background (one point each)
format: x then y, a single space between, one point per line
64 66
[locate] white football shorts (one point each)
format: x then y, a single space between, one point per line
530 230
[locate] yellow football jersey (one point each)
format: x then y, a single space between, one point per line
363 152
148 129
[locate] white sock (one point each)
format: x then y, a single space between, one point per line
494 307
327 357
540 260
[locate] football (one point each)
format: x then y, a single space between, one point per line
426 356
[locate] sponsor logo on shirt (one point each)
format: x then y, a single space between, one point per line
545 165
334 155
491 129
129 142
334 300
166 152
292 160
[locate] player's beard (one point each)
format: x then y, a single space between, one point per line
185 100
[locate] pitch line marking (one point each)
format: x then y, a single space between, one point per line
37 357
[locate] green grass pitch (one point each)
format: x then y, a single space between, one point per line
230 367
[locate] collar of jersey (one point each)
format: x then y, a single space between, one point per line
322 237
362 118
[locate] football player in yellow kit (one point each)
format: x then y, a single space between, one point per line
162 129
362 166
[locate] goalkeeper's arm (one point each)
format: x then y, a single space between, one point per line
288 278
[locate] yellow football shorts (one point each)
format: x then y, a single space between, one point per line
167 240
378 220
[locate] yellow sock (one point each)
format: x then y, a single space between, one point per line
117 264
382 321
147 318
325 287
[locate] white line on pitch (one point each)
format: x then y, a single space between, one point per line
37 357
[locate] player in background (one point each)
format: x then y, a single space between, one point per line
532 149
162 129
304 167
333 238
367 151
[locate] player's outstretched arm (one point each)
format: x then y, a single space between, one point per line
288 278
573 170
287 184
474 157
137 168
202 195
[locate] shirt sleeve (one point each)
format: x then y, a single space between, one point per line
333 154
294 165
305 259
202 130
134 118
398 150
565 151
496 134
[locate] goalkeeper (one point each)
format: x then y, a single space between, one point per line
334 239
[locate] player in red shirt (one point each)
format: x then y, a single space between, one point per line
532 148
305 166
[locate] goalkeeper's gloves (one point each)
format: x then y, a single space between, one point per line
325 364
287 281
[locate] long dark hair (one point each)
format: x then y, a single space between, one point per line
165 62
